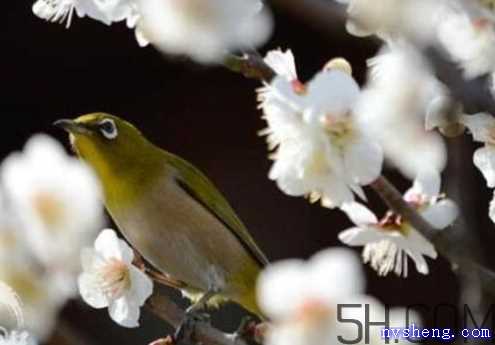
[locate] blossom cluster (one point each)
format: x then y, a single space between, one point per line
204 30
42 231
45 237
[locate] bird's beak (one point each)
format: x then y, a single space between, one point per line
72 126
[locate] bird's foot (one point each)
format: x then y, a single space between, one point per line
251 331
184 335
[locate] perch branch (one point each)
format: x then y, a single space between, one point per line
202 333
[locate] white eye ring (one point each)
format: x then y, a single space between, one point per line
108 129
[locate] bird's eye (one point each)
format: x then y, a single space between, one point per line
108 129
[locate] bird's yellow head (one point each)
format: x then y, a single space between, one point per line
109 144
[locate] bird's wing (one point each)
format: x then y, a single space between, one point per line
198 187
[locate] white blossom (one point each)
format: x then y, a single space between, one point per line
391 19
204 30
470 41
321 150
301 297
393 106
377 312
110 280
41 183
104 11
482 128
389 241
30 292
39 296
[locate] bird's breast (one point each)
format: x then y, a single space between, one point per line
180 237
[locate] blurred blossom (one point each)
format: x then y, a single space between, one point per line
301 297
392 19
205 30
393 107
398 318
389 241
39 294
42 183
50 208
470 41
320 148
482 128
16 338
109 280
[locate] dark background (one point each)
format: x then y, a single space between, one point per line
208 116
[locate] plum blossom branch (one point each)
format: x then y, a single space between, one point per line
395 201
253 66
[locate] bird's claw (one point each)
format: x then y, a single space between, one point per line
249 331
246 328
185 332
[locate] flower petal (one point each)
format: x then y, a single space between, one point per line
124 312
491 211
484 159
427 183
441 214
480 125
141 285
90 291
332 91
281 287
283 63
360 236
110 246
326 270
363 160
359 214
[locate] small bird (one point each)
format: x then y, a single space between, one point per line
170 212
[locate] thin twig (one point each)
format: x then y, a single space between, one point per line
250 65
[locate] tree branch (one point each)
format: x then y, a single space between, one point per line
202 333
